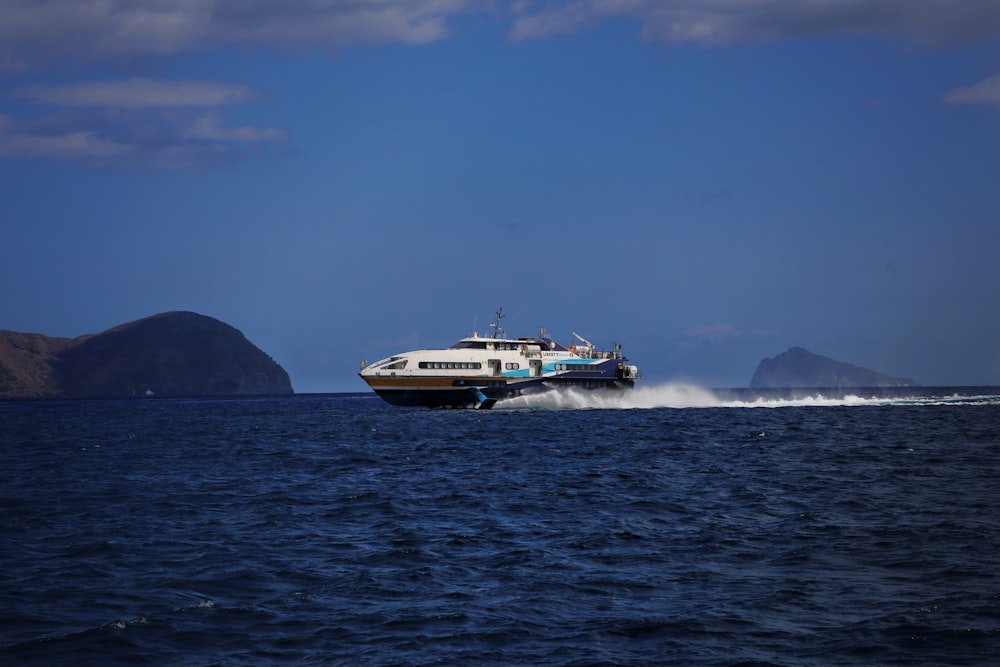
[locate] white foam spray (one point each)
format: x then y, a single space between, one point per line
669 395
684 395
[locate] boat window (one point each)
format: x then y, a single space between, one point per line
397 365
512 365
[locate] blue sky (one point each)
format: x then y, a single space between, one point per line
706 182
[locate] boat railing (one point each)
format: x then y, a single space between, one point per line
583 353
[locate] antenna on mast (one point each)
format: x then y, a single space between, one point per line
497 330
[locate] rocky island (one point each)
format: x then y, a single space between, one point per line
172 354
800 368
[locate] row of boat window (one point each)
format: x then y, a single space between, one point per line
576 367
464 365
467 365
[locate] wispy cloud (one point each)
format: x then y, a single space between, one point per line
35 32
17 141
986 93
138 93
139 123
165 124
211 127
714 333
37 35
726 22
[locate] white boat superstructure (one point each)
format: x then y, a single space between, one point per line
477 371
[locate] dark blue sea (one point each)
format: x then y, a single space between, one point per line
677 526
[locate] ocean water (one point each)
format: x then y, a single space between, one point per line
678 526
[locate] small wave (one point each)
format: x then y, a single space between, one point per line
203 604
83 637
859 398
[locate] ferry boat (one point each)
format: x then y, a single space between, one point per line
478 371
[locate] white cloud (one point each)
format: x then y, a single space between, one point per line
138 123
725 22
135 139
137 93
985 92
210 127
76 33
35 32
18 142
335 24
714 333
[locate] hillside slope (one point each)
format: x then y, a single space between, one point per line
798 367
171 354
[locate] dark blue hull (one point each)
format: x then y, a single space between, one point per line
485 397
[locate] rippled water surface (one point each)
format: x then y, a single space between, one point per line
687 530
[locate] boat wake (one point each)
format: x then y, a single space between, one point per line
683 395
670 395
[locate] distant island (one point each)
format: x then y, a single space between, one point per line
172 354
799 368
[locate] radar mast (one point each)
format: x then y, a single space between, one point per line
497 329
